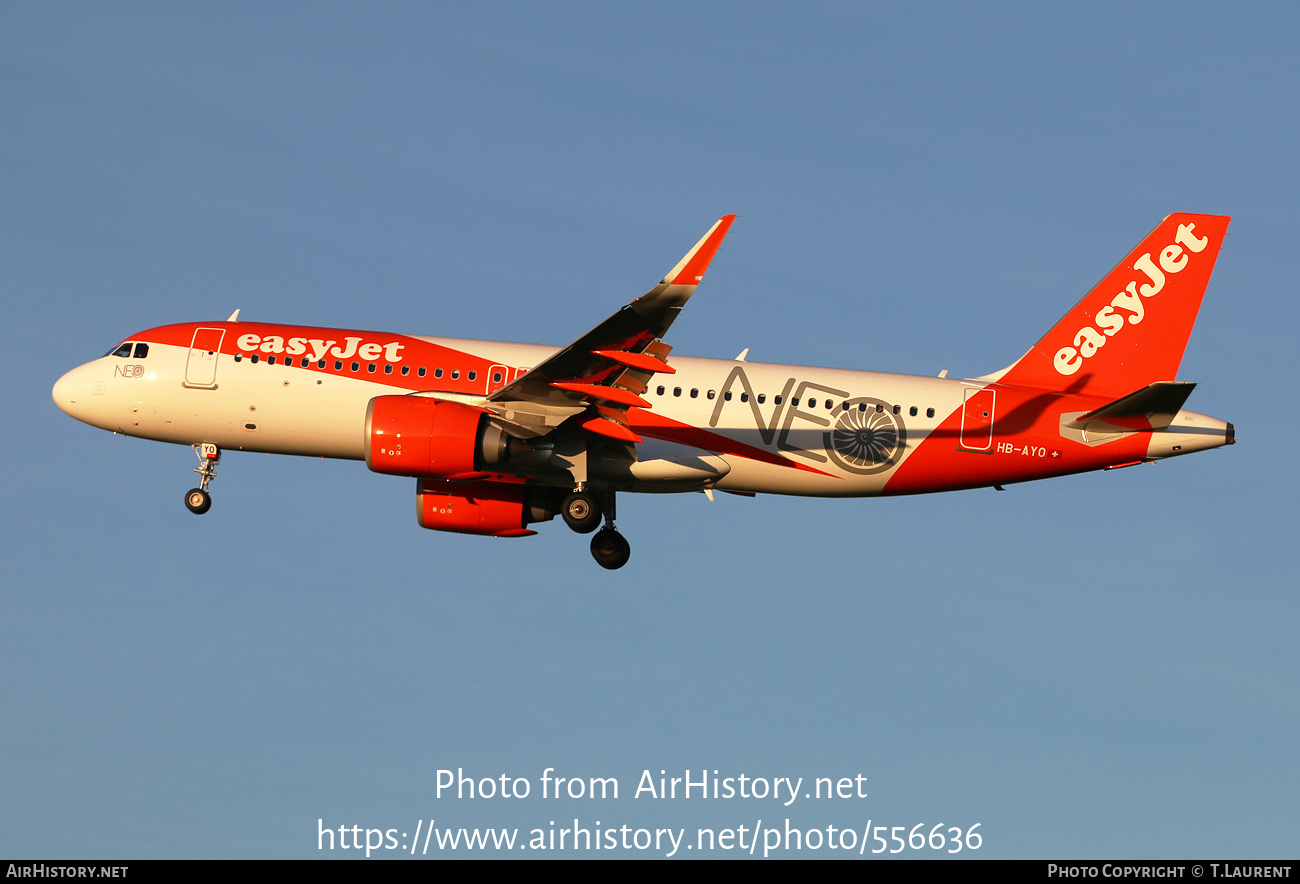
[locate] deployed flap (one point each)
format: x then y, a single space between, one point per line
621 354
1152 407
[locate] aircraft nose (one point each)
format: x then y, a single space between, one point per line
71 392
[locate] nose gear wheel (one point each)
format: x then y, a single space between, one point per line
198 500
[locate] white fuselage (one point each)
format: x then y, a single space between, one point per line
739 426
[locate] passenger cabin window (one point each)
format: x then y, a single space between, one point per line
421 371
929 412
437 372
912 411
473 375
455 374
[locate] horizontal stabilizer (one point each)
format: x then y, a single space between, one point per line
1152 407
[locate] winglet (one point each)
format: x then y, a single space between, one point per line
690 270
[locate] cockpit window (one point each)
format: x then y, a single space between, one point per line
141 351
124 351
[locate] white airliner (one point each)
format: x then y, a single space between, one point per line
500 435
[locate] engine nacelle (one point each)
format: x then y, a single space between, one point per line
419 436
499 507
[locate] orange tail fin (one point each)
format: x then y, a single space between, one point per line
1132 328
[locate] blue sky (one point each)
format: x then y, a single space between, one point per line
1103 665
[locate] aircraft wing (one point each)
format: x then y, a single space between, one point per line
603 373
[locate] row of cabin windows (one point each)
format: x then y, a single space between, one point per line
125 351
471 375
141 350
776 400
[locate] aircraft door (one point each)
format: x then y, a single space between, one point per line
201 363
497 377
977 420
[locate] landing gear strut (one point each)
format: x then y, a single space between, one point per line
609 548
197 500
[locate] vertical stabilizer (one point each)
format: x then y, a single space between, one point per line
1131 329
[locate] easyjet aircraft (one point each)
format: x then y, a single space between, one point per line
500 436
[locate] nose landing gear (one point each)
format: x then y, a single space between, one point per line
197 500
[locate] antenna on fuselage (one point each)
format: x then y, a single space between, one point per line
234 317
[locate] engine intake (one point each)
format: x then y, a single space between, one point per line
499 507
419 436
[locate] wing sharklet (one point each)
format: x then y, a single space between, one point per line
690 269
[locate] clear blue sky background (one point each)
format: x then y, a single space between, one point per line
1099 666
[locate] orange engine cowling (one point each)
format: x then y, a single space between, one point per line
418 436
500 507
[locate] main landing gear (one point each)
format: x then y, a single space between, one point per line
197 500
610 549
582 511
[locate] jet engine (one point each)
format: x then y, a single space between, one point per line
419 436
500 507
